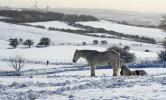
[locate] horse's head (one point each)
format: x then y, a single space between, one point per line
123 68
76 56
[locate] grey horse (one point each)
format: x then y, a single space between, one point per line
95 58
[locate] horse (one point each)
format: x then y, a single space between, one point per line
127 72
95 58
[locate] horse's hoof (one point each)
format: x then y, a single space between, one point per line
115 75
92 75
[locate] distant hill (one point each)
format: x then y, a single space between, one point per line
143 19
132 18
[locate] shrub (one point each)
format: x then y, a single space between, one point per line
104 42
84 43
147 50
52 28
126 48
28 43
95 42
13 42
125 55
44 41
40 26
162 55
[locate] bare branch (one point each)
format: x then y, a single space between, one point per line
17 63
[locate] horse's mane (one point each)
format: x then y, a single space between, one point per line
89 52
92 51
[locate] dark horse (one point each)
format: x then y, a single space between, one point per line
127 72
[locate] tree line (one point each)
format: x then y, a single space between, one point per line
89 29
14 42
36 16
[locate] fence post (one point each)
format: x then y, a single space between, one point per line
44 71
36 72
22 73
54 70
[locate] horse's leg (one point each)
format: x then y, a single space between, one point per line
93 67
115 68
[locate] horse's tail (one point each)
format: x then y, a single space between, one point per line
118 62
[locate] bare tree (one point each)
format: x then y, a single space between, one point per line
17 63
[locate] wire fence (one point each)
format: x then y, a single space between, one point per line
69 66
64 65
44 61
147 63
45 71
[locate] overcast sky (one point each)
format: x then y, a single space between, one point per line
132 5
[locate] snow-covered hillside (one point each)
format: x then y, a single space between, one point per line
140 31
131 17
57 54
73 82
55 24
25 32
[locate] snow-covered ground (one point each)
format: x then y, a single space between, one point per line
25 32
140 31
57 54
55 24
64 53
77 85
74 84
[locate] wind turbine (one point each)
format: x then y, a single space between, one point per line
35 6
47 8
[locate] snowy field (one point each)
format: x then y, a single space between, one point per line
132 30
63 53
55 24
68 82
77 85
25 32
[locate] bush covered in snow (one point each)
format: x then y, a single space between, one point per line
125 55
